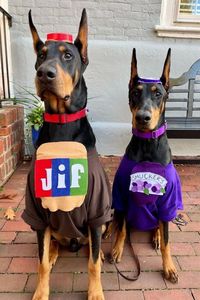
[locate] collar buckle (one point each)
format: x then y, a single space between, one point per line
154 134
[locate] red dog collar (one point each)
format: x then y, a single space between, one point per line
64 118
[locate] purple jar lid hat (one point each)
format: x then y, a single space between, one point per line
149 80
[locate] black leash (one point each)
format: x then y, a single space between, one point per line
135 257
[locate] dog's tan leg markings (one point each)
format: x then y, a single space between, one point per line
170 271
53 252
119 243
95 291
102 256
42 290
156 238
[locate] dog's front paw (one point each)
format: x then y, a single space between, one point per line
117 253
96 295
171 274
40 296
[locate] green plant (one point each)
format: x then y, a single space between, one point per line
33 114
26 97
35 117
33 107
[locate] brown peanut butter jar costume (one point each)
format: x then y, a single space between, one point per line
69 221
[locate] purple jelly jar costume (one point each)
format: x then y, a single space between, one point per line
147 192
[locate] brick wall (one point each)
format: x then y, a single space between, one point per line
11 140
108 19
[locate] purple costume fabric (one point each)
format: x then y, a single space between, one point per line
147 192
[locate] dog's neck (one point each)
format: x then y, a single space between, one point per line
153 150
78 130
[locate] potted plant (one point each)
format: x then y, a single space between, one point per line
33 114
35 121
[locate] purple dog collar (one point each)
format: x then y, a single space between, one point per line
150 135
149 80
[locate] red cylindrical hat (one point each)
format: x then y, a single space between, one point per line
58 36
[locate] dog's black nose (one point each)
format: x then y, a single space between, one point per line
46 74
143 117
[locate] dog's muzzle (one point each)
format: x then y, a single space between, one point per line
46 74
143 117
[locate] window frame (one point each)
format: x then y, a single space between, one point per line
186 18
6 88
173 25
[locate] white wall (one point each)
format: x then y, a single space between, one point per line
108 19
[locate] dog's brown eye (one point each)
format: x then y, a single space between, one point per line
41 55
67 56
135 93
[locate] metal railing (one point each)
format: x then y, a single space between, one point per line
5 18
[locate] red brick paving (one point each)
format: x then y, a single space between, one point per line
15 296
7 237
189 263
61 282
196 247
18 252
168 295
15 225
182 249
23 265
187 280
145 281
196 294
4 264
13 282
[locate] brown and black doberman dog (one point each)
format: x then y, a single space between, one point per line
136 202
60 84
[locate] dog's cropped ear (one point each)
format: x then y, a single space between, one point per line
166 70
81 41
134 73
37 43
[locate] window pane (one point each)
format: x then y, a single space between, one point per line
191 7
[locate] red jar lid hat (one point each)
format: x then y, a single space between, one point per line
58 36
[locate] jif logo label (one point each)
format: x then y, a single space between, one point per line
61 177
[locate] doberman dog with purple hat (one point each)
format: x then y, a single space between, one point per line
146 189
68 197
